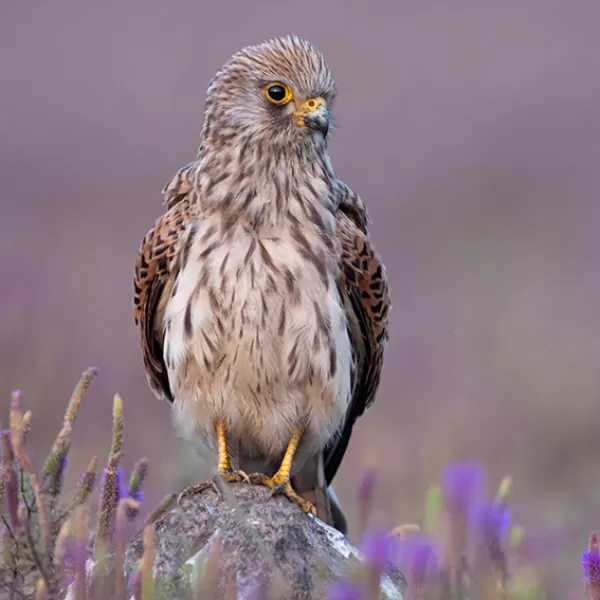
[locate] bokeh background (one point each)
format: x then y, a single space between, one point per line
472 130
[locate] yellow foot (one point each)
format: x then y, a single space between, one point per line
280 484
231 476
228 474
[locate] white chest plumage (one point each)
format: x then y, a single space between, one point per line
256 336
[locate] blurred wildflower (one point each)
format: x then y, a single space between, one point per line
46 543
231 593
379 549
27 469
62 544
79 551
344 589
419 558
56 476
125 505
122 489
138 475
590 566
10 481
85 485
135 584
433 502
367 482
112 484
492 528
527 584
41 592
590 561
462 493
147 563
504 490
26 424
516 536
55 464
208 572
134 491
493 522
118 425
462 485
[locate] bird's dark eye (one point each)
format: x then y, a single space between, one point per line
278 93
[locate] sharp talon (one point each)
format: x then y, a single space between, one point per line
194 490
260 479
231 476
281 487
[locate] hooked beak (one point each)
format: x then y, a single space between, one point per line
314 114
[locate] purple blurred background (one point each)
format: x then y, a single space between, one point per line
471 129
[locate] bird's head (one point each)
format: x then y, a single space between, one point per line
279 92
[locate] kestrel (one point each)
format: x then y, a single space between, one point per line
261 302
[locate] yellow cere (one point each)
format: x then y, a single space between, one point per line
313 104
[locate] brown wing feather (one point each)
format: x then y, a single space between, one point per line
365 291
156 269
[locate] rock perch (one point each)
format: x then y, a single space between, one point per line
262 538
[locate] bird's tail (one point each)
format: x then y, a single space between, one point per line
315 490
338 518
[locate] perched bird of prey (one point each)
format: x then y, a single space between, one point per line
261 302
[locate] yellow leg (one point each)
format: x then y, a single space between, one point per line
224 464
280 482
224 468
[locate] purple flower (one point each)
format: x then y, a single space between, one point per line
344 589
62 469
137 496
140 471
590 565
462 486
366 485
590 562
491 527
379 549
135 584
420 558
364 498
122 486
493 522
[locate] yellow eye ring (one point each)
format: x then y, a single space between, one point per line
278 93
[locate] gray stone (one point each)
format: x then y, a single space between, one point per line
263 538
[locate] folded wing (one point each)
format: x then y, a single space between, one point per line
155 273
365 292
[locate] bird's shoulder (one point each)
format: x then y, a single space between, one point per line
155 273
